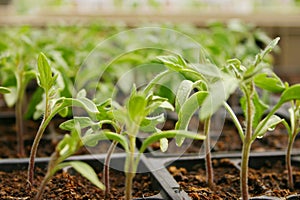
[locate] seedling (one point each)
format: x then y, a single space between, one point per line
69 145
187 102
234 76
221 82
18 73
53 106
293 129
133 117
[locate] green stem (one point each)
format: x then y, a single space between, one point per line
37 139
235 120
20 126
19 115
106 168
130 169
289 153
244 168
246 144
50 172
209 168
289 163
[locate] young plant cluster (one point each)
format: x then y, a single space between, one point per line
205 87
215 84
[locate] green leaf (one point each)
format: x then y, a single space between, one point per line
172 62
45 78
186 112
184 90
149 123
4 90
272 84
169 134
209 70
188 109
93 139
28 75
154 102
84 122
218 93
88 172
291 93
270 124
270 46
36 98
11 97
163 143
136 107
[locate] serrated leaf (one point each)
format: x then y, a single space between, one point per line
88 172
273 83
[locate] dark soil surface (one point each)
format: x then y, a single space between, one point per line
270 180
66 186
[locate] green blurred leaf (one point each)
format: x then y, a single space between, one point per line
163 143
136 107
218 93
11 97
88 172
270 83
4 90
175 63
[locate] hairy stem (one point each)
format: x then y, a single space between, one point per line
246 144
130 171
37 139
48 175
106 168
289 163
289 153
208 163
19 115
20 127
